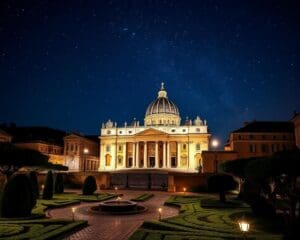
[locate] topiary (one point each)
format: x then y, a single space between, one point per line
34 186
221 183
59 183
89 186
17 197
48 187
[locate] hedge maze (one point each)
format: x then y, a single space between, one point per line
196 222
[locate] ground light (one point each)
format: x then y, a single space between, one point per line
73 213
159 213
244 227
184 190
43 186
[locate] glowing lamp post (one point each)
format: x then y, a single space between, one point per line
184 190
159 213
244 227
116 190
85 152
43 186
215 144
73 213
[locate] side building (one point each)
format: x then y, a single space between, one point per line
296 121
81 153
262 138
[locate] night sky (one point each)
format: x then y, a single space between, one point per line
72 65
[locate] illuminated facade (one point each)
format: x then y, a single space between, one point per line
162 143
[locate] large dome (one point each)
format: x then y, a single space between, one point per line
162 111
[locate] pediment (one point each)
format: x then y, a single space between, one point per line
151 132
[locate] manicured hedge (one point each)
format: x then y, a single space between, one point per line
17 198
142 198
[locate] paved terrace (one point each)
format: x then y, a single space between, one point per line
113 227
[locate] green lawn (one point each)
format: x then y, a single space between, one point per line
142 198
40 228
197 222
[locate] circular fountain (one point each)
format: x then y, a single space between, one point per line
118 207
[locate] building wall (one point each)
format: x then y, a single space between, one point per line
211 159
74 156
260 144
296 121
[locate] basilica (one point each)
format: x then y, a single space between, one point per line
162 143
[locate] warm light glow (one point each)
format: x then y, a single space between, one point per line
85 150
160 210
244 226
43 186
73 209
119 198
116 188
215 143
184 189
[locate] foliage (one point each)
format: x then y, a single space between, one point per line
89 186
34 184
59 183
13 158
221 183
48 186
17 198
40 229
142 198
194 222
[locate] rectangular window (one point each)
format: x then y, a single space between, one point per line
107 148
264 148
198 147
252 148
120 148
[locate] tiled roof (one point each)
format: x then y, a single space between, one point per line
266 126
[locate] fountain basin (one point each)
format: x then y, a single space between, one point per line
118 207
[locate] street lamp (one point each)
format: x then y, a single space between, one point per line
215 144
159 213
184 190
85 152
73 213
244 227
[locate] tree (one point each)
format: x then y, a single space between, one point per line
34 185
59 183
17 199
221 183
48 187
89 186
13 158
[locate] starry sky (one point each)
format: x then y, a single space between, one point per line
72 65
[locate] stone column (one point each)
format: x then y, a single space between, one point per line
137 161
124 155
133 154
145 155
168 155
156 155
178 155
164 155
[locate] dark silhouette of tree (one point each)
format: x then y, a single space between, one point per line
221 183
